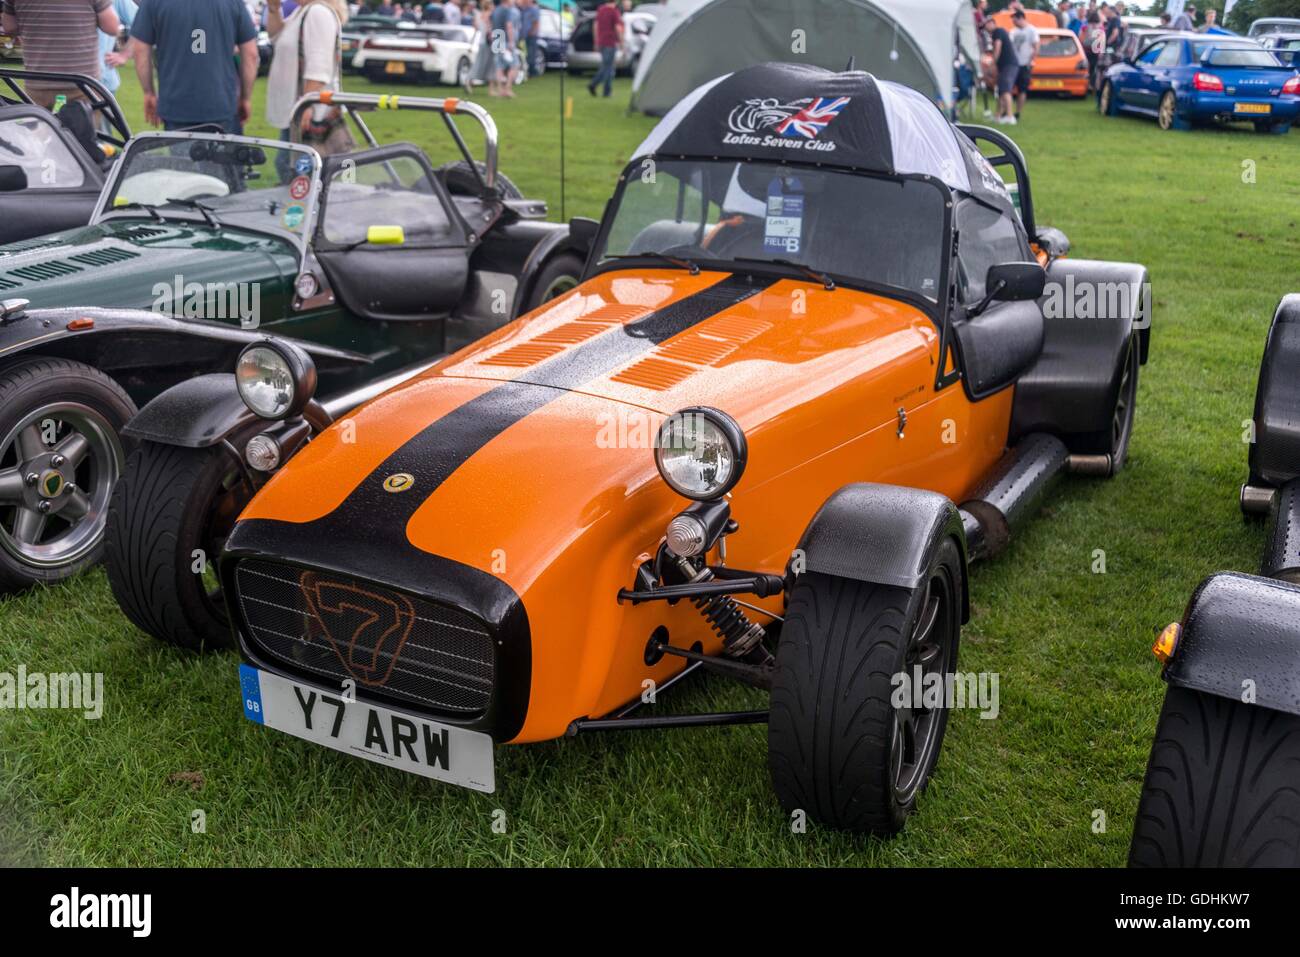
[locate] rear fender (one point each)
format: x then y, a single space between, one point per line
1241 640
884 534
1092 310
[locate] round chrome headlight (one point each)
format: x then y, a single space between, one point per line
701 453
275 379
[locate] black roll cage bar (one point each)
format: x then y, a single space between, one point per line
100 100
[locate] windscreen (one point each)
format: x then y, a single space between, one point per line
880 231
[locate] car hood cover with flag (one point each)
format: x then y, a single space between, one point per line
787 112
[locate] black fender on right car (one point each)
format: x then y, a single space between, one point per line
1222 786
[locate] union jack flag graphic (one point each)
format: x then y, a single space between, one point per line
813 118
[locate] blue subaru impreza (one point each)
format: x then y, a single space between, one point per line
1187 78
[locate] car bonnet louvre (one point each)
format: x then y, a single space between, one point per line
553 341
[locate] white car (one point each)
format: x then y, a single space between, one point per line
583 55
438 53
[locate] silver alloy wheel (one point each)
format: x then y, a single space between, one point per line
1167 111
54 498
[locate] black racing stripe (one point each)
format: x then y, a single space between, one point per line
446 444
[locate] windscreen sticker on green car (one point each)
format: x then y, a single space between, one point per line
293 216
783 227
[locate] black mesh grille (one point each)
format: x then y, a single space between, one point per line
389 642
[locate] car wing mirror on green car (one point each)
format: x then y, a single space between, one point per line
385 235
12 179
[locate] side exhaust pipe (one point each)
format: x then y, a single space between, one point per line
1008 495
1282 551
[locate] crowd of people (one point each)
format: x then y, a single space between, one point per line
1007 56
197 60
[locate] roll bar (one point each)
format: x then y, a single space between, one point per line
354 104
1008 155
100 100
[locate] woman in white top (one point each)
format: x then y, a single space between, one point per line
309 39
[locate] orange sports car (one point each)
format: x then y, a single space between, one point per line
817 363
1060 66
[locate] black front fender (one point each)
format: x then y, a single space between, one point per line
881 533
1241 638
194 414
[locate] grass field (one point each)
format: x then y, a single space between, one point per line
1079 687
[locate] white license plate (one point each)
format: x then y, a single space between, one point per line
403 741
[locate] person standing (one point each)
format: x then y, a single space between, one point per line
1211 21
451 12
197 80
1007 66
307 59
1025 40
481 72
530 24
1187 19
1093 38
110 57
609 37
505 53
59 36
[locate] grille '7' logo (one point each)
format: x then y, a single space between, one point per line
366 629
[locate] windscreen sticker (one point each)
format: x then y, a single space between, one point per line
294 214
783 227
302 165
299 187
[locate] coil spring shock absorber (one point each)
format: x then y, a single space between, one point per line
741 637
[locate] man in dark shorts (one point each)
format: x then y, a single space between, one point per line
1007 67
1024 39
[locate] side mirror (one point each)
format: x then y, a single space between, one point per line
385 235
12 179
583 230
1014 282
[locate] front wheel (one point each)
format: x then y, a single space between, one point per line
169 518
60 455
1220 787
849 741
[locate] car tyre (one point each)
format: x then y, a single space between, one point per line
172 509
1106 103
88 410
463 73
561 273
838 749
1167 113
1121 429
1220 786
